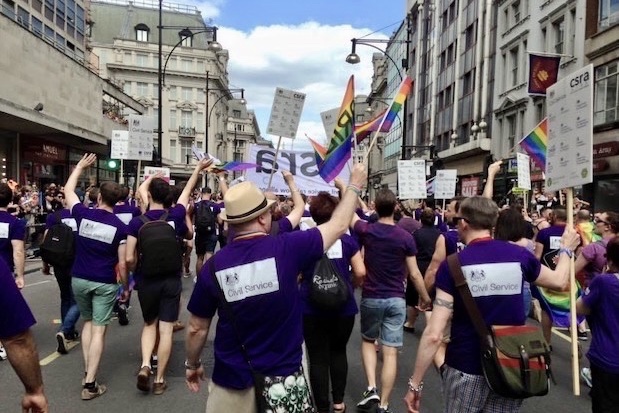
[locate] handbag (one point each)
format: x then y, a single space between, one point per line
283 394
328 290
515 359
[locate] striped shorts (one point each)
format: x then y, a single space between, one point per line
469 393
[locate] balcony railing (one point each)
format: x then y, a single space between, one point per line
186 132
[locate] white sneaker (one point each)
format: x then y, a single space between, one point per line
3 355
585 373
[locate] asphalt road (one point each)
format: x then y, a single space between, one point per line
121 360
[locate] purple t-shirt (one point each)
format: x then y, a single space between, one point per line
340 254
126 212
65 218
495 271
15 315
550 238
386 248
259 279
409 224
452 241
602 297
11 228
96 246
176 218
595 254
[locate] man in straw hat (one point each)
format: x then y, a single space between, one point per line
256 274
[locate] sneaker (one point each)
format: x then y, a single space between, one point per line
187 274
88 394
585 373
582 336
370 398
144 379
384 410
153 362
62 347
159 388
3 355
123 318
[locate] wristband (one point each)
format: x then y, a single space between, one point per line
414 389
354 189
193 366
567 251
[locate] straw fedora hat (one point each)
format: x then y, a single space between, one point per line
244 202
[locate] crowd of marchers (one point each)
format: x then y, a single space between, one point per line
285 275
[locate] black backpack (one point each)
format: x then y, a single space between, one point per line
58 246
159 252
328 290
205 218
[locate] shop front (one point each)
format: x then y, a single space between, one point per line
604 191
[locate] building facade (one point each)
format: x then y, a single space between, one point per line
195 88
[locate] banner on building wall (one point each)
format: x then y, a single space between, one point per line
543 73
302 165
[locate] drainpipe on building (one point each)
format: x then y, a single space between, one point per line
418 84
434 74
478 59
459 24
483 124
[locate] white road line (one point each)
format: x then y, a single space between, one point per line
47 360
37 283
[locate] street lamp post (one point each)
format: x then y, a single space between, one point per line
210 111
213 46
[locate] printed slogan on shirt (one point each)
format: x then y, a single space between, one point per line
493 279
249 280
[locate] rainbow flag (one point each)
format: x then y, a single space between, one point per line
365 129
233 166
535 144
398 103
340 146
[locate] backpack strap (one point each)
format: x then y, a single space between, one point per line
455 268
164 217
144 218
58 216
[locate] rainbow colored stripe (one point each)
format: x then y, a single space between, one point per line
365 129
535 144
339 149
398 102
233 166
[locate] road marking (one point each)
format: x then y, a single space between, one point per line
47 360
37 283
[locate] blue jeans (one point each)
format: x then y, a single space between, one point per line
69 312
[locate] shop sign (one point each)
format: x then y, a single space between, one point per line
605 149
44 152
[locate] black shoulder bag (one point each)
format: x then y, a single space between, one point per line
515 359
271 394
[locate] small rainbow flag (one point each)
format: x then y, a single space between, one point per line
365 129
535 144
233 166
398 102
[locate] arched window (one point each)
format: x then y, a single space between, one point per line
186 37
141 32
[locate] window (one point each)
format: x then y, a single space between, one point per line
544 39
37 26
37 5
60 42
142 89
469 36
511 130
23 17
516 11
558 32
173 120
186 37
572 28
173 155
540 110
513 57
186 119
127 88
186 65
606 94
448 96
467 82
173 93
186 152
50 35
237 114
141 60
200 122
187 93
79 24
141 32
49 10
608 13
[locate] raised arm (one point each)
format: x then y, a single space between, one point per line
342 216
223 183
183 199
299 206
339 184
493 169
142 192
70 196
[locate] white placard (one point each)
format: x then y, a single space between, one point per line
301 164
412 179
445 183
524 171
569 160
286 113
152 170
120 144
329 120
141 133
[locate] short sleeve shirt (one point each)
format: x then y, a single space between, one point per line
386 249
65 218
126 212
11 229
602 298
99 235
495 271
15 315
259 279
550 238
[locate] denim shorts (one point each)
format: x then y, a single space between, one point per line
383 318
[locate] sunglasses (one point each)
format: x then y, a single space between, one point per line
598 220
458 219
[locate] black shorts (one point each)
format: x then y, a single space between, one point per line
160 299
205 243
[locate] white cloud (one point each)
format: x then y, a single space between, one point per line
210 9
309 58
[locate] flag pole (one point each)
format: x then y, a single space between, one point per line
279 141
573 320
373 141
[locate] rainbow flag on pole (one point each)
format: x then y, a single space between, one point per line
398 102
365 129
339 149
535 144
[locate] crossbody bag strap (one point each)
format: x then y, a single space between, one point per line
225 305
455 268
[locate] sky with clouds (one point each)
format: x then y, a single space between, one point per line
299 45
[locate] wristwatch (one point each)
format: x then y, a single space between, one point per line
196 366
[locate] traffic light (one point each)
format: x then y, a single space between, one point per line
112 164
